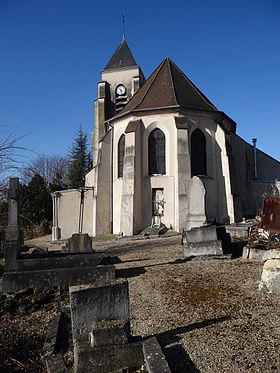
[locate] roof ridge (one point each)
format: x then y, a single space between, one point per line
156 74
172 80
205 99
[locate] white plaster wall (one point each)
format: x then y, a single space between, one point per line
119 129
208 127
183 178
218 199
217 182
90 178
103 190
68 210
166 123
225 175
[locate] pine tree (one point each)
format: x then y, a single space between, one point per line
36 201
80 160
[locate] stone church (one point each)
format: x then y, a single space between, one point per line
163 154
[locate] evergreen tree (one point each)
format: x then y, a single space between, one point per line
36 201
79 160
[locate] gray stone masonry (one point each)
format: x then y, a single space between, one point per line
238 232
50 346
203 248
200 234
154 231
12 233
90 304
154 357
60 277
260 254
100 326
55 364
270 279
12 243
201 241
53 261
51 352
109 333
79 242
110 358
48 270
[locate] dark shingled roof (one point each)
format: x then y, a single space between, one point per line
121 58
168 86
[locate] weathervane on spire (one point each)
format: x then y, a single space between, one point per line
123 35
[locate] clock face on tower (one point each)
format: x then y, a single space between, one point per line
120 90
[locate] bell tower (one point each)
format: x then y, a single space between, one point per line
120 80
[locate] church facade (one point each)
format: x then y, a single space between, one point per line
163 154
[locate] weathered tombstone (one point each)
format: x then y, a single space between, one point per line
201 241
96 303
196 203
79 242
101 329
109 332
47 270
154 357
13 237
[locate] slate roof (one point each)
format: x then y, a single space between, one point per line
168 86
122 57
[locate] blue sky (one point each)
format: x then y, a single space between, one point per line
52 52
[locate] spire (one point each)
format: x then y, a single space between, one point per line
122 57
123 34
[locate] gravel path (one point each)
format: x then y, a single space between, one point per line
207 314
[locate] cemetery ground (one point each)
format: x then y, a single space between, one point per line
207 314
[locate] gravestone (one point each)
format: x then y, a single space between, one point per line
101 329
90 304
49 269
79 243
196 203
200 241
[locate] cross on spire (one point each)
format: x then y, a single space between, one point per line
123 26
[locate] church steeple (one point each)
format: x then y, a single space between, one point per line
122 57
120 80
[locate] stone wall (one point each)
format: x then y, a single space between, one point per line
251 190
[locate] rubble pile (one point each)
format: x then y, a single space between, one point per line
265 233
262 238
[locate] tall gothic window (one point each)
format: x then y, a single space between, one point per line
156 152
198 153
121 150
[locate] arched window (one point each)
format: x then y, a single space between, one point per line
198 153
121 150
156 152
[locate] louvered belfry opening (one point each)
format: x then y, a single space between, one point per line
198 153
156 152
121 150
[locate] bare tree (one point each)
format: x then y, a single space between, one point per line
52 168
11 152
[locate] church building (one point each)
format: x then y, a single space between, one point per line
163 154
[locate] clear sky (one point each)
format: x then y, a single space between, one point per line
52 52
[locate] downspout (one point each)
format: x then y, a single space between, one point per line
111 179
254 141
